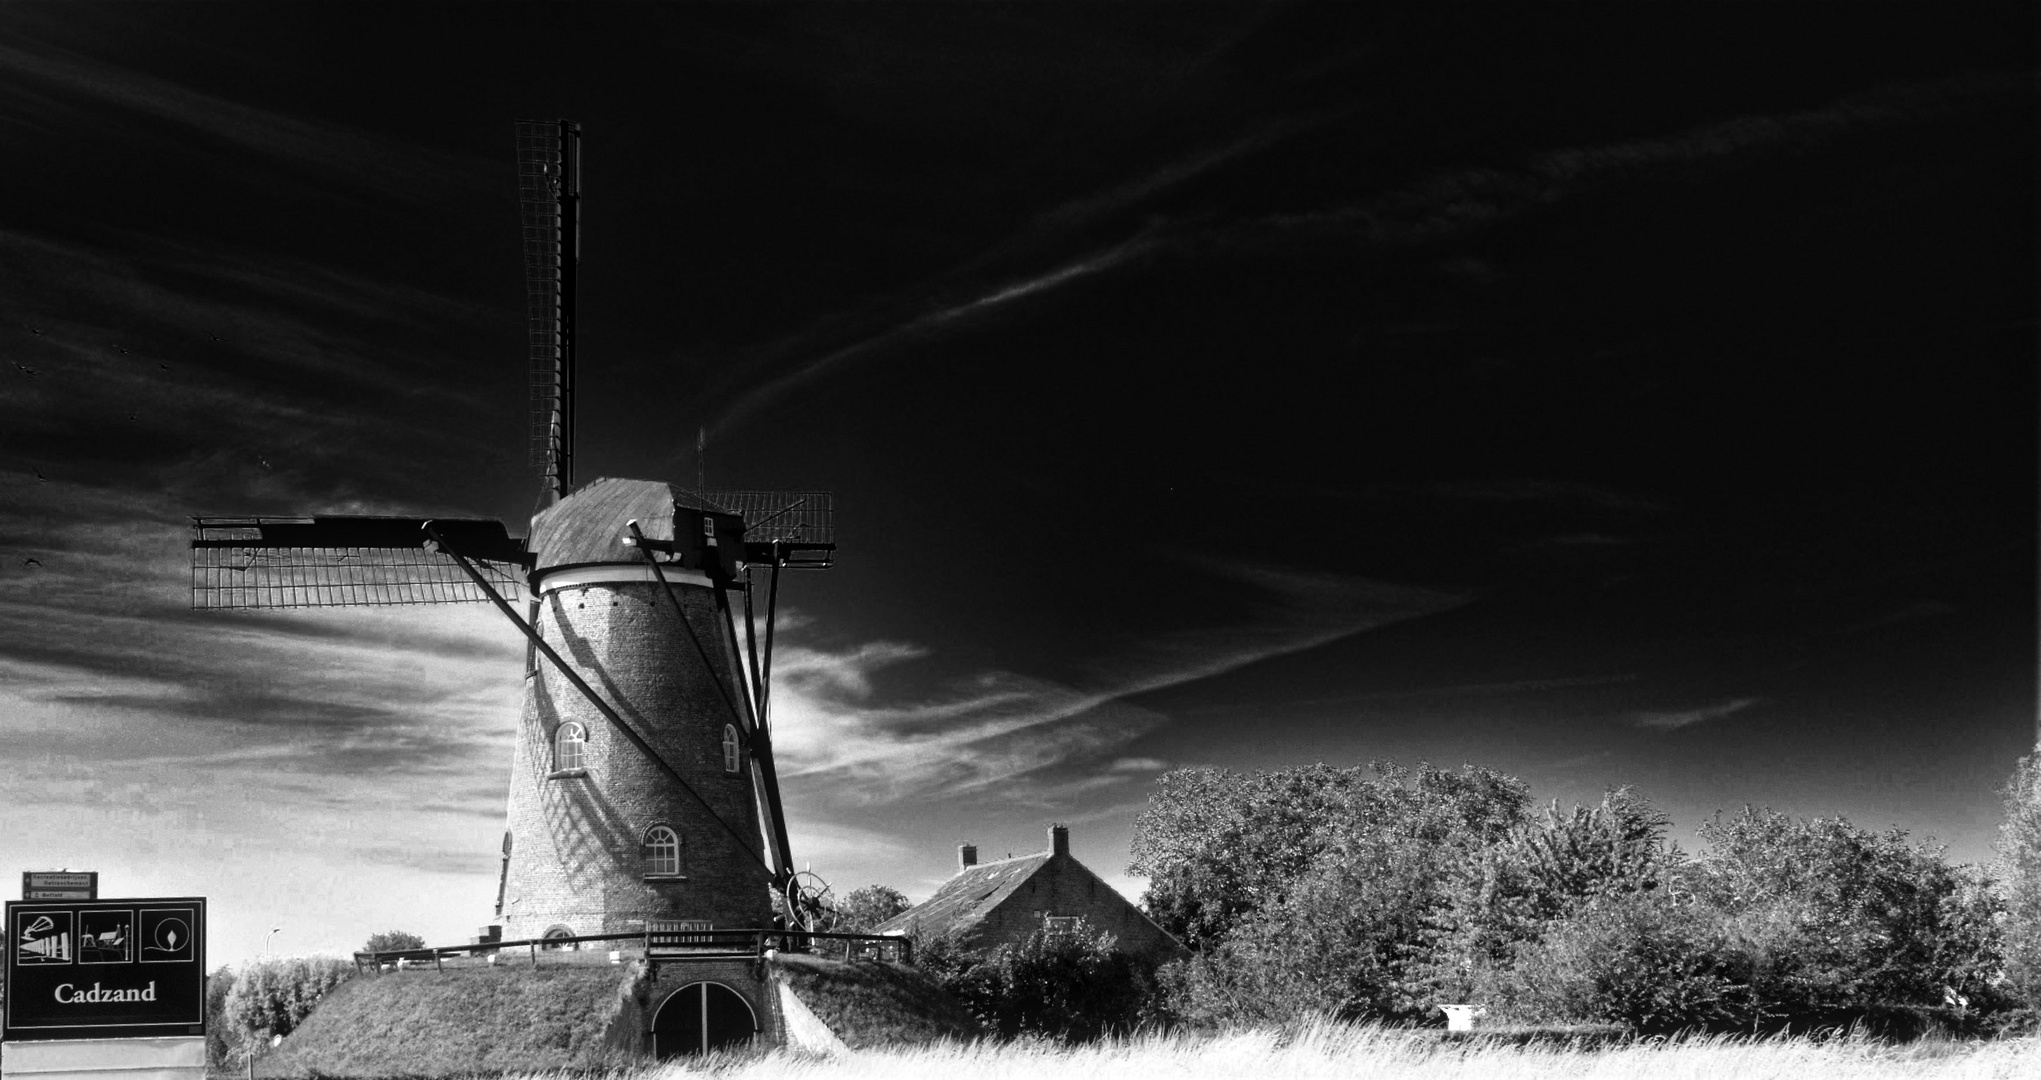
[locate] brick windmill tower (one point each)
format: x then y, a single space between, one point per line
642 784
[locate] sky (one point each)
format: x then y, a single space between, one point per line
1607 395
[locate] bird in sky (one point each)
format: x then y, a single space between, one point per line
32 563
25 369
40 478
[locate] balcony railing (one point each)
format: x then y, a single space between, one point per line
669 941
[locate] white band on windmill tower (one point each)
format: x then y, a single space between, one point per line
613 574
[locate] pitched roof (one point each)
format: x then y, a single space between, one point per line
589 525
967 898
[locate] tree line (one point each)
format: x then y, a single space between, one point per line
1382 893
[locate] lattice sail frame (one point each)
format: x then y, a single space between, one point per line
549 192
270 563
801 523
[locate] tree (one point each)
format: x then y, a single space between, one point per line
2019 854
1643 959
1350 931
221 1041
1832 922
271 997
1218 846
1505 894
864 909
393 941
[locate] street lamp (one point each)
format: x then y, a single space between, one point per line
270 937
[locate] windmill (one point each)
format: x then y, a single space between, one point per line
643 789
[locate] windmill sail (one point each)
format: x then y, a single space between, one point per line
254 563
549 198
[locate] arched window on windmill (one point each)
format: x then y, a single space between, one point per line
731 748
568 743
662 852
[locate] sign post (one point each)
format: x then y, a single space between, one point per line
104 989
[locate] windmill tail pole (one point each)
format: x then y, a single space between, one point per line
762 762
588 692
638 541
761 743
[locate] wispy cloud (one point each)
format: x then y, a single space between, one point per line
1039 738
60 88
1421 210
922 326
1673 720
223 374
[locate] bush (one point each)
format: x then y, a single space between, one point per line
1069 983
1218 847
1831 922
221 1040
1351 932
1642 960
866 908
393 941
271 997
2019 852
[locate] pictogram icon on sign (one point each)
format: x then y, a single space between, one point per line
43 939
166 935
106 937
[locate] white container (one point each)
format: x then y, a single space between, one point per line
1462 1017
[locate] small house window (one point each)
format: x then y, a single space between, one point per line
567 745
730 746
662 852
1056 924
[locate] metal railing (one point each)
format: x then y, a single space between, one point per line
657 943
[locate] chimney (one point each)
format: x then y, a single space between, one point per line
967 857
1059 840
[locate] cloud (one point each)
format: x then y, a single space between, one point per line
1674 720
920 327
841 740
1451 203
1060 247
67 90
1538 490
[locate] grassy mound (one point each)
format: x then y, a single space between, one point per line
871 1003
464 1021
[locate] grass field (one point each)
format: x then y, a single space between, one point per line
1326 1051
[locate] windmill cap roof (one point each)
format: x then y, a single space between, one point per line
589 525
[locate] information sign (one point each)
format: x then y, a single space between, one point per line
59 885
105 969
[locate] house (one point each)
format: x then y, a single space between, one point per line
990 904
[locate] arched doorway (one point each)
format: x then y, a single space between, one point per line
701 1017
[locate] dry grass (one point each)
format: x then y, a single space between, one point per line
1365 1053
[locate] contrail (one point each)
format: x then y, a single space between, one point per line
760 396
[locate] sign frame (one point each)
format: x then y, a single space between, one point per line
84 969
